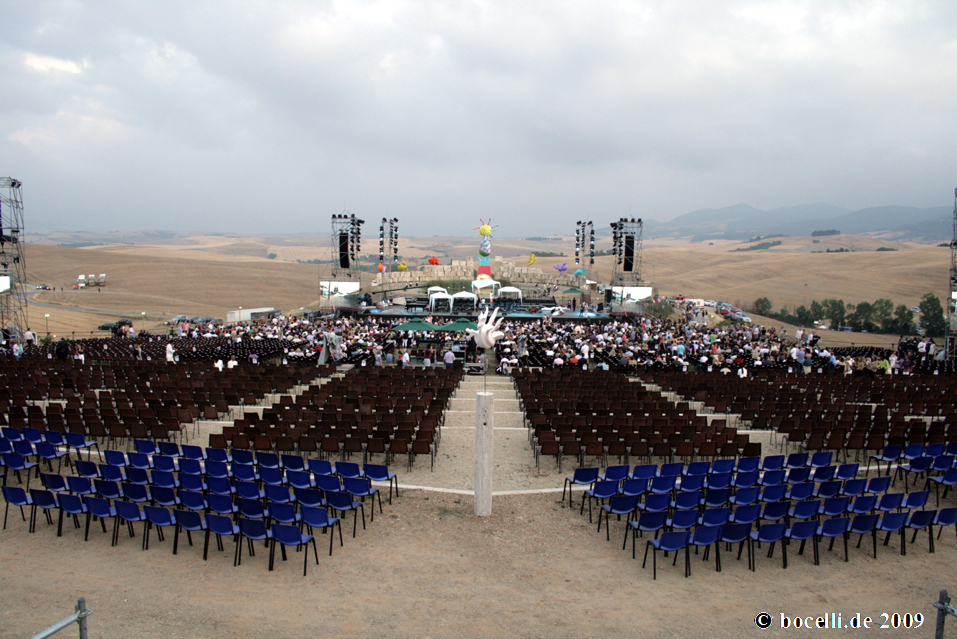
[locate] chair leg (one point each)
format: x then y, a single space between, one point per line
206 546
176 539
272 553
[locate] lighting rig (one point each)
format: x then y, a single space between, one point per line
584 233
392 248
626 248
13 301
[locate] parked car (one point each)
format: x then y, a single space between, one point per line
44 287
109 326
178 319
916 309
124 322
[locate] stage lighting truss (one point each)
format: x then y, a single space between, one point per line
13 266
392 249
584 242
624 233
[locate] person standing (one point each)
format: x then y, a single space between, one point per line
406 360
449 359
170 352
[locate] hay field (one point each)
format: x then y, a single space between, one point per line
211 275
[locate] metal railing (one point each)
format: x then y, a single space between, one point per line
80 613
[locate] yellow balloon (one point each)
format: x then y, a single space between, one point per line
531 259
486 230
403 266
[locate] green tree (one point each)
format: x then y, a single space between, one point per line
932 316
883 314
861 318
834 312
817 311
903 323
803 316
659 310
761 306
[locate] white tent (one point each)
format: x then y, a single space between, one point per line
511 289
478 285
436 297
465 295
437 289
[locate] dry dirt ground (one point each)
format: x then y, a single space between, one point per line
427 568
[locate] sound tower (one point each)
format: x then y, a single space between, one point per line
343 249
629 264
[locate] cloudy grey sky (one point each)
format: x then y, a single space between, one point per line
271 116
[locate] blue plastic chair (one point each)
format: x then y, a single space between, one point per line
634 487
796 460
380 473
835 506
80 485
777 492
698 468
272 476
159 517
890 502
164 496
854 487
191 500
112 473
722 466
746 514
218 454
108 489
846 471
802 531
86 469
266 460
190 467
618 505
309 498
668 542
99 508
830 489
54 483
321 467
349 470
128 512
716 497
737 534
71 505
945 517
220 486
798 475
244 457
947 480
252 530
136 475
292 462
745 479
169 449
193 452
832 529
165 463
773 477
745 496
775 511
291 536
16 463
342 502
890 454
916 500
918 466
581 477
800 492
891 523
145 446
283 513
863 505
164 479
218 469
18 497
807 509
821 458
139 460
600 491
719 481
332 483
646 522
821 474
318 518
655 503
878 485
772 463
747 464
192 482
245 472
221 526
921 520
692 484
715 517
221 504
770 534
707 536
249 490
49 452
862 525
136 493
674 469
687 501
362 488
78 442
614 473
663 485
190 521
251 508
279 494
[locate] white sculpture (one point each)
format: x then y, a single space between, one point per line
487 332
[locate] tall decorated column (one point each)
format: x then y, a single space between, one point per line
485 337
485 251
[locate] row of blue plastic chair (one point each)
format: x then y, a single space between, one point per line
285 527
910 452
745 535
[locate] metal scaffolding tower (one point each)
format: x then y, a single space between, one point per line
13 266
626 247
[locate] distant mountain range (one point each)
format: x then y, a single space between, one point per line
741 221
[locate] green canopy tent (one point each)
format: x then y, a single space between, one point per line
573 291
417 324
459 325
